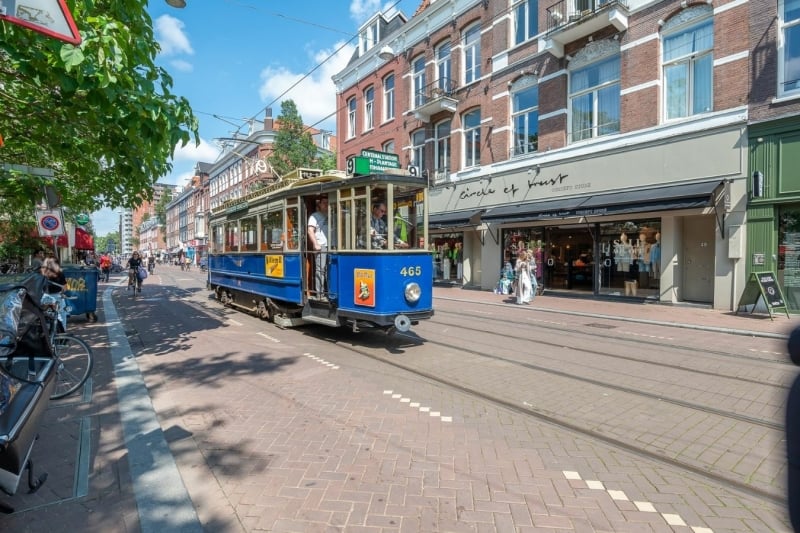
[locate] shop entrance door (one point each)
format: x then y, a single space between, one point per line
569 258
698 259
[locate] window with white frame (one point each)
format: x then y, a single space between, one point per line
368 37
443 67
388 97
418 81
471 127
351 118
525 115
442 147
369 101
789 47
472 54
688 62
526 20
388 147
418 149
594 99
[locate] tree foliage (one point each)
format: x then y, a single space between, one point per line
293 146
101 115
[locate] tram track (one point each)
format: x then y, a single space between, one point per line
604 353
529 410
598 333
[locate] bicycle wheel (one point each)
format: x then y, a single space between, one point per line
73 366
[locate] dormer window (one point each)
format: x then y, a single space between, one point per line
368 37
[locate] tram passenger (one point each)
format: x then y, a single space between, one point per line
318 241
379 229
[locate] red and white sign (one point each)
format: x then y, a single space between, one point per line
50 17
50 222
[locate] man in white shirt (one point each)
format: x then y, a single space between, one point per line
318 242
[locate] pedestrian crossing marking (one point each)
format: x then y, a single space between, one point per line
332 366
422 409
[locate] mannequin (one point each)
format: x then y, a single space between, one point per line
623 253
446 263
458 257
655 257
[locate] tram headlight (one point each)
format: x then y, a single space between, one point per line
413 292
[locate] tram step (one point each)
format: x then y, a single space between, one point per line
320 320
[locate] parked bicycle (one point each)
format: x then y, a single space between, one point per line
74 358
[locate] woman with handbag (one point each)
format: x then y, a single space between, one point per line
135 268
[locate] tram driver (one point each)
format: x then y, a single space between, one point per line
379 229
318 241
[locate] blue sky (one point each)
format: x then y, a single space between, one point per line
231 59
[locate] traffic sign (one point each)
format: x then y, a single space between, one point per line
50 17
49 222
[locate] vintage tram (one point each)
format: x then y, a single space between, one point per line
376 271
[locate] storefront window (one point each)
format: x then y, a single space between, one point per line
523 238
630 258
448 256
789 255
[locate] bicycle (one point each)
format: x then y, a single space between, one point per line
134 281
74 358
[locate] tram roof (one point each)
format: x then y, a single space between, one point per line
310 181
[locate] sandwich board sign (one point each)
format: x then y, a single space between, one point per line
763 286
50 17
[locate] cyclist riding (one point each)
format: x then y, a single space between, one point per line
133 265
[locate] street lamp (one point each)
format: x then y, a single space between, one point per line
177 3
386 53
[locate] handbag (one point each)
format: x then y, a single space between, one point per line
141 273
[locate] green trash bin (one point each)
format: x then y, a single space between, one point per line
82 290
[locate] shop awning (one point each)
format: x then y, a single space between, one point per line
61 241
83 240
455 219
542 210
685 196
682 196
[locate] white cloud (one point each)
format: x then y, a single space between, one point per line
206 152
181 66
315 95
361 10
171 36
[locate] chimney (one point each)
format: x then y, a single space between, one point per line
268 123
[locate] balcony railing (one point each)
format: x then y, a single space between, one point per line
435 97
571 11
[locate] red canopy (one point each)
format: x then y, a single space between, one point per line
61 241
83 240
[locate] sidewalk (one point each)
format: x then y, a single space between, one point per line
677 315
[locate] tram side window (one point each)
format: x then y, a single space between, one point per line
272 236
217 239
362 222
293 242
408 216
232 236
249 234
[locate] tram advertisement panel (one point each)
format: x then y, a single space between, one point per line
364 287
273 266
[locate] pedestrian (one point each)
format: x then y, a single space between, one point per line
523 277
105 267
318 242
793 435
53 272
36 262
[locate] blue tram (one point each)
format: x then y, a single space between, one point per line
375 272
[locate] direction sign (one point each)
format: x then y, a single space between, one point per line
379 161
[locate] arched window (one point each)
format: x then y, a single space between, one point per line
351 118
388 97
525 115
442 147
471 44
471 127
688 60
418 149
418 81
594 91
369 101
444 68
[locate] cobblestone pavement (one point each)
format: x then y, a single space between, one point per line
271 432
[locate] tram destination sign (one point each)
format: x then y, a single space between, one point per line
379 161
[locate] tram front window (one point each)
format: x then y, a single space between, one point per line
408 216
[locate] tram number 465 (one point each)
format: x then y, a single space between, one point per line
411 271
